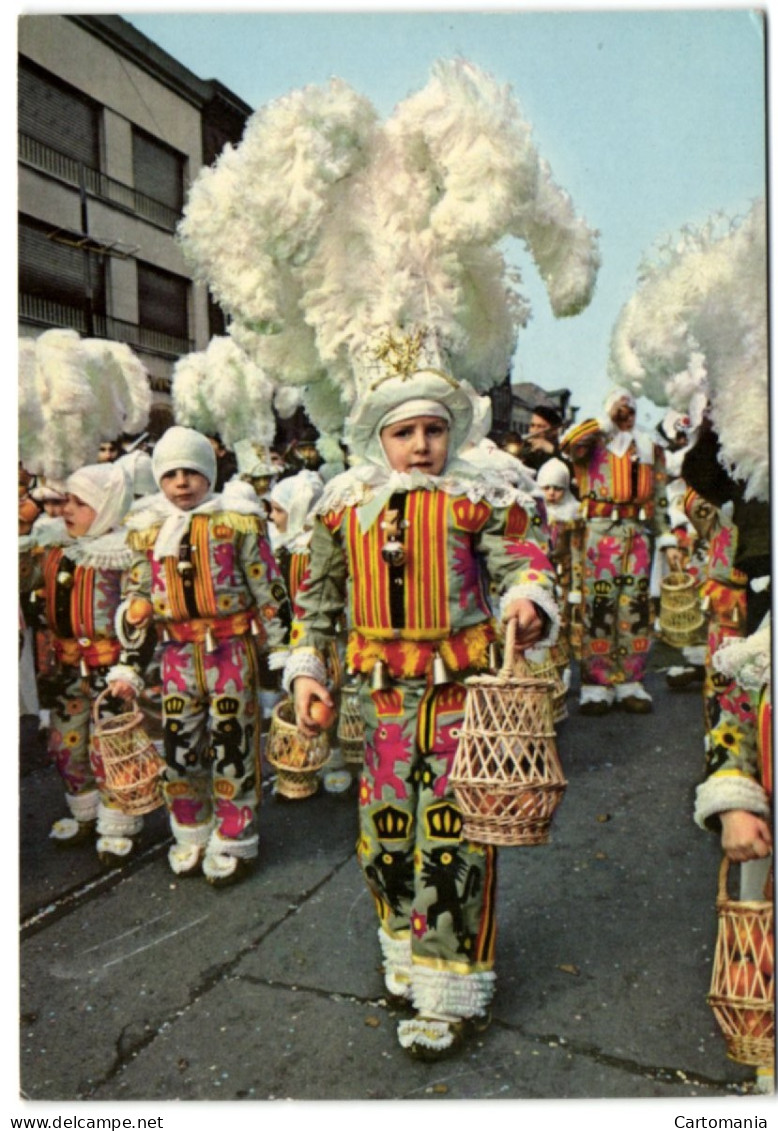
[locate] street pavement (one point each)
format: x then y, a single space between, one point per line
137 986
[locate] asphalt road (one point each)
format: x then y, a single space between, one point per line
136 986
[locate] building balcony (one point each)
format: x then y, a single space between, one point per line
35 155
50 314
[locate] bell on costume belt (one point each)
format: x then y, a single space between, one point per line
210 643
440 673
379 677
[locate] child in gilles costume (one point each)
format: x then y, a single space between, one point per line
78 579
401 540
203 570
386 236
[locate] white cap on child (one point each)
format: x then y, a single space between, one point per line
107 489
553 473
184 447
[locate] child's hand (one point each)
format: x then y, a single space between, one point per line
530 624
122 689
674 559
308 691
744 835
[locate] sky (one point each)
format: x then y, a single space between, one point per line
650 120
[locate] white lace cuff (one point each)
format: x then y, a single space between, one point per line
729 791
540 597
303 663
447 992
666 541
277 658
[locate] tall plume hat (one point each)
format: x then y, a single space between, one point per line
353 256
695 332
73 393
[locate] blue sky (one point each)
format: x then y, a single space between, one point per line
649 119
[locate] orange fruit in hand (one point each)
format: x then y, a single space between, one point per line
139 610
321 714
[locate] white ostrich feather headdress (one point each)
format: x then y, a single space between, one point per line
221 391
340 245
696 328
73 393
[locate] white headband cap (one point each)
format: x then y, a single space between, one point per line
107 489
419 406
553 473
184 447
616 395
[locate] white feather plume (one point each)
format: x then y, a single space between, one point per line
87 390
697 321
220 390
325 229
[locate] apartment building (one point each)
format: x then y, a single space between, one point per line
112 130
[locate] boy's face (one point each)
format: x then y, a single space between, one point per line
279 517
553 494
420 443
78 516
184 487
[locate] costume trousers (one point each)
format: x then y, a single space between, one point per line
427 881
211 724
70 735
617 609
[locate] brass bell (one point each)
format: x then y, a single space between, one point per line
440 673
83 669
393 553
379 677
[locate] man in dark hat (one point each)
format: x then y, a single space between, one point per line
542 440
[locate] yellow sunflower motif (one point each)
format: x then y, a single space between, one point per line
729 735
224 602
255 570
71 738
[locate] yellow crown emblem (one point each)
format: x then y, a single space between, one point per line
444 822
227 705
602 588
392 823
222 787
174 704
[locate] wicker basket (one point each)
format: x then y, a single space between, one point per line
130 762
548 671
742 994
296 759
351 726
681 618
506 775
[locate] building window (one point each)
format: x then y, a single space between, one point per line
158 171
57 115
60 282
163 302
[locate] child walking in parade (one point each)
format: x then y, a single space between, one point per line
202 570
400 541
77 579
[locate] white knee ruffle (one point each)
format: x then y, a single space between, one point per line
83 806
446 994
397 963
115 823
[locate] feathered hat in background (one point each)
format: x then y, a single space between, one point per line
696 330
347 251
73 393
221 391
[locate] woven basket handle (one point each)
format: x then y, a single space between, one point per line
513 662
99 702
723 893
